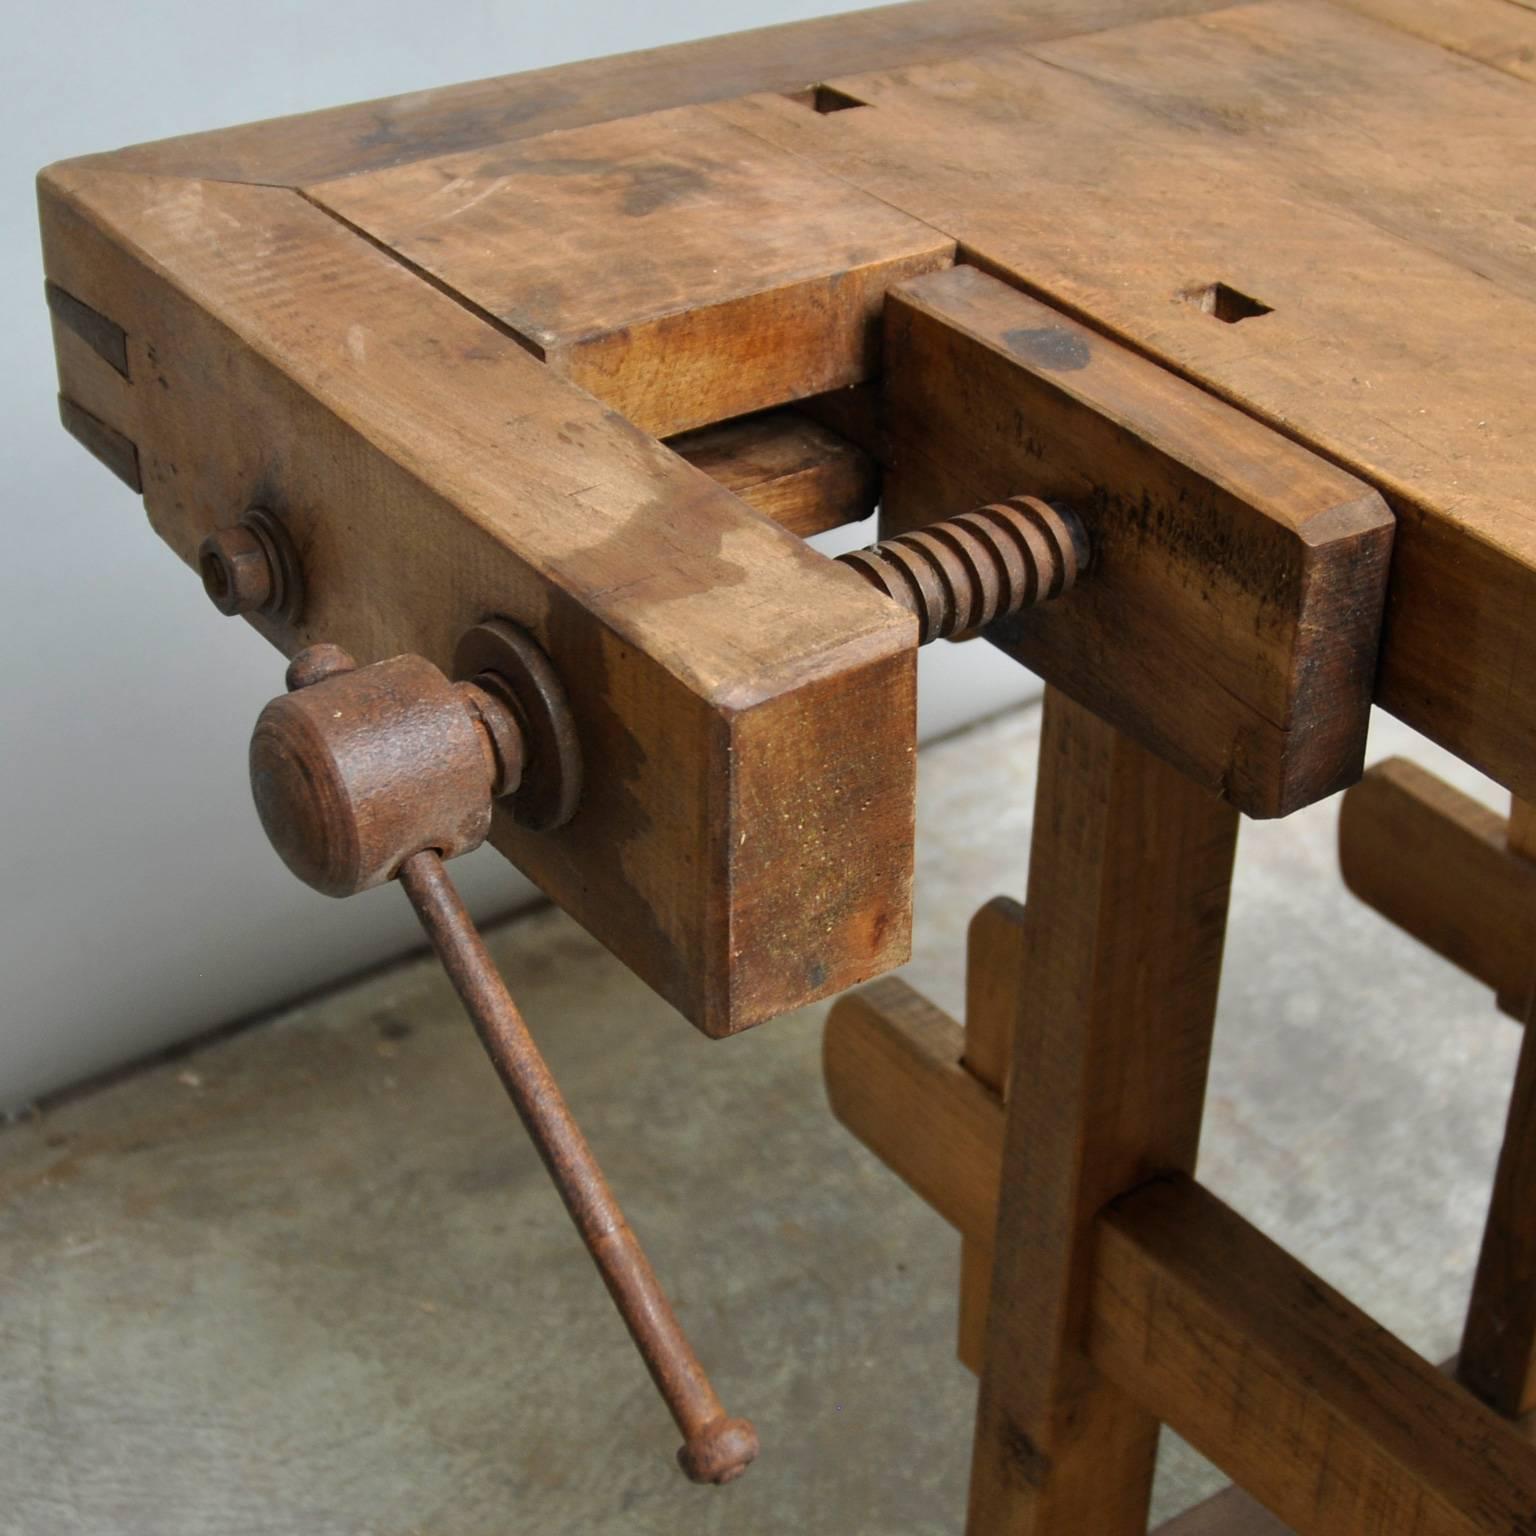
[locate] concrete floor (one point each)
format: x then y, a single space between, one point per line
311 1281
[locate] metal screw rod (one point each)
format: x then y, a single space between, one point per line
716 1448
963 573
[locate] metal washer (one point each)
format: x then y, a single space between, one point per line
505 660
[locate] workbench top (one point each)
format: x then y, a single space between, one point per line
1319 211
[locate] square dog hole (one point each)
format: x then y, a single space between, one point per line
1226 303
825 98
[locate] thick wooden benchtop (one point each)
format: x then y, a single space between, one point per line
1321 212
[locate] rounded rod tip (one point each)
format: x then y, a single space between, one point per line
720 1452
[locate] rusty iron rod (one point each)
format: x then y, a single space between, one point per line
716 1448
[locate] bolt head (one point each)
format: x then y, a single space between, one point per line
236 570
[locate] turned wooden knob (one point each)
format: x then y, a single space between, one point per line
361 767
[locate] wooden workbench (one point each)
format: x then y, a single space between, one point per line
1255 284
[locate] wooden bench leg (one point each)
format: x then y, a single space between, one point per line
1498 1346
1129 874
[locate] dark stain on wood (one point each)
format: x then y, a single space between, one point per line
1025 1459
1058 351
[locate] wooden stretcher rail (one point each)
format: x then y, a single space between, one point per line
1232 1512
892 1065
1440 865
1320 1413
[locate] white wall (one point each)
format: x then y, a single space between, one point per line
139 903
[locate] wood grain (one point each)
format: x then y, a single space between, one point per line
370 135
788 467
1492 32
975 1299
104 443
1232 1512
1128 879
1314 93
677 267
746 700
1260 568
1459 878
1326 1418
1437 863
